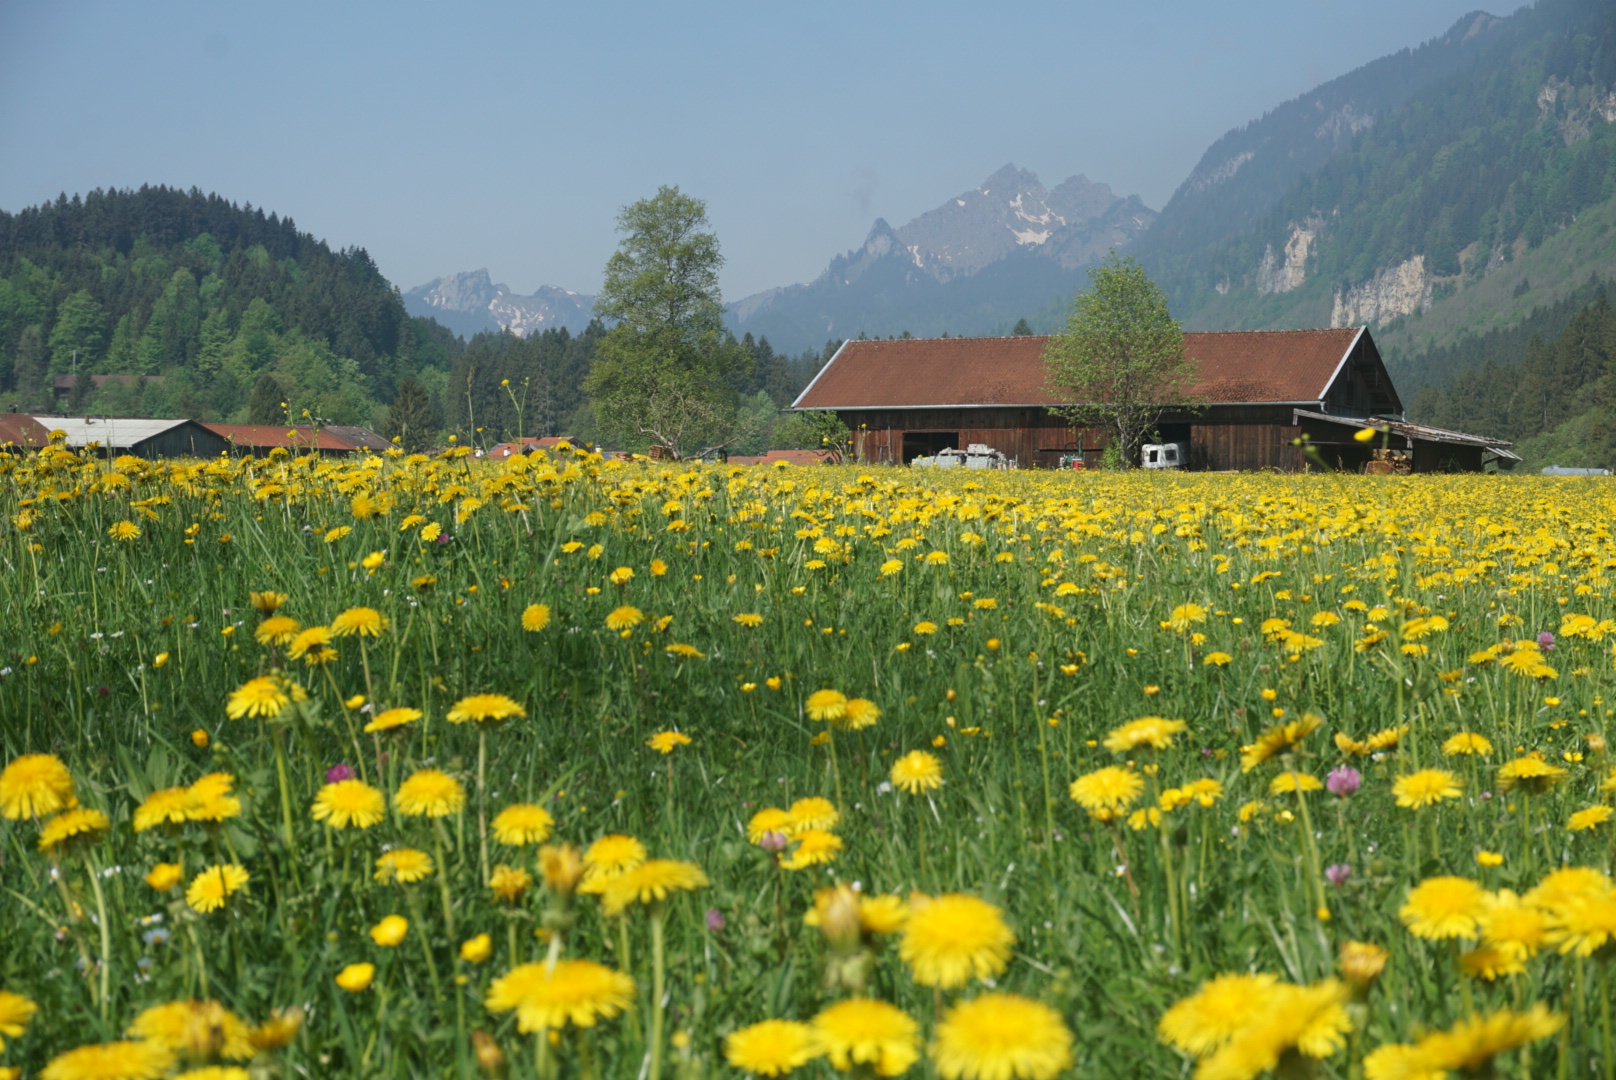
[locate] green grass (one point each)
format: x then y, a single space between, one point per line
1013 699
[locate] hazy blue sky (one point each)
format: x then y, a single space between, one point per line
452 136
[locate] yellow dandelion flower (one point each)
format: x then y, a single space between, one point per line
194 1030
521 824
388 719
356 978
72 827
771 1048
263 697
624 618
1531 774
826 705
1592 817
953 938
277 630
535 617
866 1032
665 742
917 771
35 786
857 715
170 806
609 858
404 865
267 602
651 882
131 1060
164 876
1149 732
1001 1037
15 1013
484 709
349 804
767 820
212 887
1107 793
550 996
1443 907
359 621
429 793
1427 787
749 620
1277 740
812 847
812 812
1465 1048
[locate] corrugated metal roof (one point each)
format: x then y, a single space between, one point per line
114 433
1236 367
1421 432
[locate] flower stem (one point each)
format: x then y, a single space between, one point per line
658 978
106 938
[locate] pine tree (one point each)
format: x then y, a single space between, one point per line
264 405
1022 329
29 367
410 419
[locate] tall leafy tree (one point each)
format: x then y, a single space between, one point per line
1121 362
660 374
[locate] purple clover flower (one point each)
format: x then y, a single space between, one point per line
1343 780
1338 874
338 773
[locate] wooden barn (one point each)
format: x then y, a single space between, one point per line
136 436
1256 393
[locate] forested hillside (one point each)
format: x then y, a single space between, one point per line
1556 395
218 300
1470 174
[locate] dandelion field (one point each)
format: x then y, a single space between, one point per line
410 766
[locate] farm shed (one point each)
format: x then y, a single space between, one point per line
136 437
910 398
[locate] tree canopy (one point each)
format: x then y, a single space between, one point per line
1120 362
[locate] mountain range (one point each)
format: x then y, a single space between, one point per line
1437 194
471 303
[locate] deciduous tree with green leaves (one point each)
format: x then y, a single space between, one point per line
659 374
1120 363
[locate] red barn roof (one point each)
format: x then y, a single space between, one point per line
269 436
1236 367
22 431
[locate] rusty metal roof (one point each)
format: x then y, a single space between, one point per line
269 436
1236 367
22 430
1419 432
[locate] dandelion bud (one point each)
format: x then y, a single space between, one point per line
1362 962
562 865
490 1058
839 918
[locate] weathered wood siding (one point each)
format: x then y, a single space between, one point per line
1221 438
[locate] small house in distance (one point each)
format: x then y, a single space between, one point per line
135 436
1256 393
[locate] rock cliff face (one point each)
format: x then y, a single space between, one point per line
471 303
1274 276
1394 290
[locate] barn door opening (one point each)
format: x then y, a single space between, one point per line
926 443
